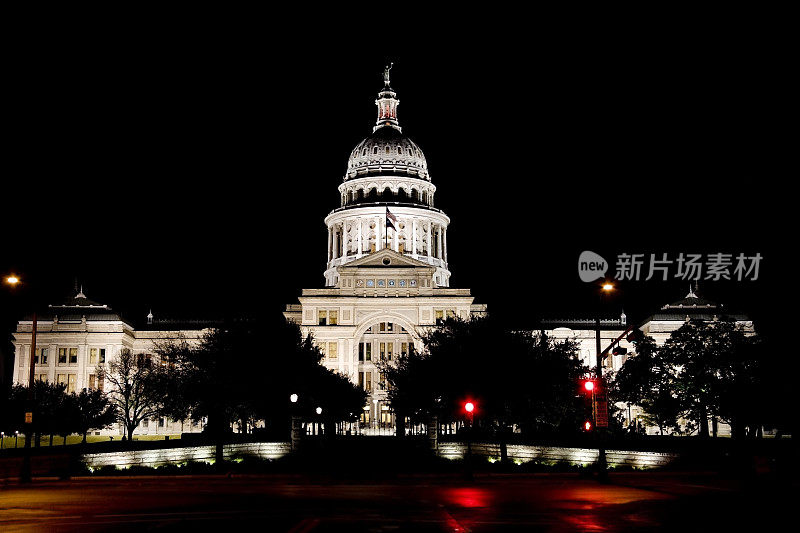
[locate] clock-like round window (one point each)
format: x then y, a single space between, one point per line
387 261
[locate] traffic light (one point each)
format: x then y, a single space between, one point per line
587 426
619 350
588 385
469 407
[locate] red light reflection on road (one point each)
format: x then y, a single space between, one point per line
469 497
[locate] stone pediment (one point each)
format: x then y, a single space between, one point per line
385 258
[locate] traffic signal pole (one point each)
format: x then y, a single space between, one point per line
602 467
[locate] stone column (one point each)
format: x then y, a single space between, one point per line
439 242
330 244
360 238
444 230
394 238
428 248
414 236
335 242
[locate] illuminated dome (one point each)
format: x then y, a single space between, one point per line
387 152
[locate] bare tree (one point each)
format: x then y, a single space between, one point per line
134 388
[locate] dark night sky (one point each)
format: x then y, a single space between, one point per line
192 176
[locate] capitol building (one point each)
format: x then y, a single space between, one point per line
387 276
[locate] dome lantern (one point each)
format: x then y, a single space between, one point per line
387 104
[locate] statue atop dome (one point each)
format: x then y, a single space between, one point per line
386 74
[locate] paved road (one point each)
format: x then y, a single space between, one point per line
554 502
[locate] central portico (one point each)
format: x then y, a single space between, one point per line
387 276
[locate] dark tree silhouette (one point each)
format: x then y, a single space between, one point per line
704 370
134 388
648 380
230 376
94 410
534 387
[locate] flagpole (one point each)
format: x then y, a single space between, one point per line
386 227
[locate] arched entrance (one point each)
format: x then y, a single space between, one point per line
380 340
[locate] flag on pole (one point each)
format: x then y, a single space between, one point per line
390 219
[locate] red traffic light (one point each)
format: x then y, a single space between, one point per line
469 407
587 426
588 385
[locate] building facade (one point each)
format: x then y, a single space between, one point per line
77 338
659 326
387 276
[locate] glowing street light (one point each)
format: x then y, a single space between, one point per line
293 398
608 287
588 385
12 279
319 410
469 407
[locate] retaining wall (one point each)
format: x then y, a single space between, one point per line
206 454
551 454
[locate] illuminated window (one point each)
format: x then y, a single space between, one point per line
389 350
97 356
41 377
62 356
383 351
383 327
333 350
404 348
368 352
323 317
40 358
439 317
333 318
73 356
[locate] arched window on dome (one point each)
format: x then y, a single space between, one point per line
414 195
372 194
424 197
364 152
387 193
375 150
399 150
359 195
387 149
402 195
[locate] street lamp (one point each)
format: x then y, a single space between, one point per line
25 473
293 398
16 438
606 288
